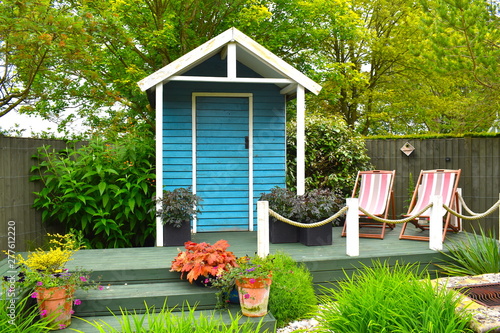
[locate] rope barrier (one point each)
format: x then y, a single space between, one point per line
475 216
307 225
408 219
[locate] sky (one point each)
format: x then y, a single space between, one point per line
32 125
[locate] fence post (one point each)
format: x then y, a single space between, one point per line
352 227
436 224
262 228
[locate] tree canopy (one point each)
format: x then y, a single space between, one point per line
396 67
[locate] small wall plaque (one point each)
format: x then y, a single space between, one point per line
407 149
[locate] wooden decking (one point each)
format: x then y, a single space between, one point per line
326 263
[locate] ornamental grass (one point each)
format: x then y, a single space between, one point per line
476 255
391 299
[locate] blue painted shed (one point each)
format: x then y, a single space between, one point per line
220 127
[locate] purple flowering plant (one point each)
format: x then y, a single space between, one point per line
251 268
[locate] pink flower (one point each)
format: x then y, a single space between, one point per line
83 278
100 287
39 283
251 280
43 313
77 302
34 295
61 326
72 311
246 295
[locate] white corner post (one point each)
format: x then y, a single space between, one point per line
301 140
159 158
262 228
352 227
436 224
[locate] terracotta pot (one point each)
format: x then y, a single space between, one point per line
254 297
55 304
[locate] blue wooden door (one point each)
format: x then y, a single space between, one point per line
222 162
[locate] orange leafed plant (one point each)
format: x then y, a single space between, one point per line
203 259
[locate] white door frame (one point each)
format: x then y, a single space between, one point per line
250 147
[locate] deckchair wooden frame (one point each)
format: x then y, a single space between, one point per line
382 207
418 202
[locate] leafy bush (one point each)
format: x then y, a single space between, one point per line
102 189
292 293
334 154
384 299
478 254
186 322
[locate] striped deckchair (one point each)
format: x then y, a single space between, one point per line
431 183
375 194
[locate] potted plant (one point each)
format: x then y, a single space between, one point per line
53 285
253 278
316 206
282 201
176 212
202 261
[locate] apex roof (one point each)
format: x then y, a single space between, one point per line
247 51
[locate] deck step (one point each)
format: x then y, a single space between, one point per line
135 296
83 325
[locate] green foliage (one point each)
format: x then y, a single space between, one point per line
476 255
102 189
334 154
186 321
292 295
391 299
19 313
178 206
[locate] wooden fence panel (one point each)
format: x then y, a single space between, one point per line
479 159
16 192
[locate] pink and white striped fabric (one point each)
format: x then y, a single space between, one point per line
374 192
441 182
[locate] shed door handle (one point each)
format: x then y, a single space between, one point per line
246 142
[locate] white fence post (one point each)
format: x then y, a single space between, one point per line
436 224
352 227
262 228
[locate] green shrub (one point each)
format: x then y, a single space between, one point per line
186 321
476 255
103 189
292 293
391 299
334 154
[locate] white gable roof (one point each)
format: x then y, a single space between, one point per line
248 52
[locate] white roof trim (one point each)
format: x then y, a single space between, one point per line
205 51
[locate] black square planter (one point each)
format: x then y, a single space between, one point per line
173 236
281 232
316 236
